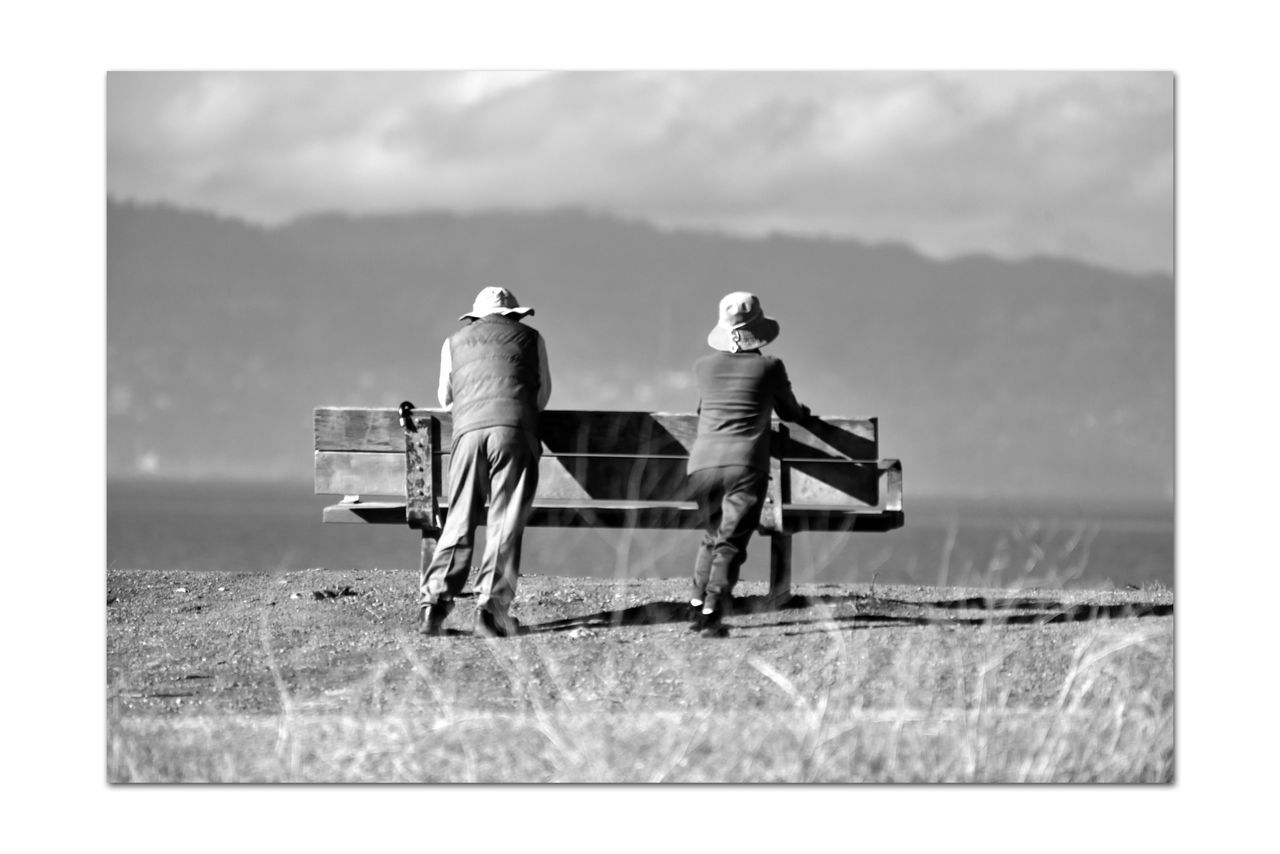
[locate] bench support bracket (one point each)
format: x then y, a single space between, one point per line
422 471
771 521
779 570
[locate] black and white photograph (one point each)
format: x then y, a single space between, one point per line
640 426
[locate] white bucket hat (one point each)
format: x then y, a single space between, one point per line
742 325
496 301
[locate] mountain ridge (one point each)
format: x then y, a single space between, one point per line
1000 377
1153 277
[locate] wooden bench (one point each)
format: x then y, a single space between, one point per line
610 470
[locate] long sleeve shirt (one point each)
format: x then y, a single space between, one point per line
445 389
739 393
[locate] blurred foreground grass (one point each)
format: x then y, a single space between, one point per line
252 678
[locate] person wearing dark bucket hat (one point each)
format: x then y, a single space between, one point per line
494 378
739 389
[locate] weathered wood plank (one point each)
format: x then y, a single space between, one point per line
564 514
377 430
346 473
884 516
650 515
893 484
829 520
622 433
366 513
624 478
838 483
349 428
638 515
562 431
559 478
834 436
423 473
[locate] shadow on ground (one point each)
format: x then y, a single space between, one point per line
867 612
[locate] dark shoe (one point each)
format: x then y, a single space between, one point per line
713 625
491 625
695 617
431 618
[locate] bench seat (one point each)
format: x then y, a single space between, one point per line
628 514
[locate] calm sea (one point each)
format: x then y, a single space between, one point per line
261 527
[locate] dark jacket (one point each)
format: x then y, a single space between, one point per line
739 393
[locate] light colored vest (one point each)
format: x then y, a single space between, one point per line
495 376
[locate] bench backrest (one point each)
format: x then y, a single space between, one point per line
597 456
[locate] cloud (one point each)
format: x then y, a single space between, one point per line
1073 164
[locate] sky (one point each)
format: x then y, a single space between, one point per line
1013 164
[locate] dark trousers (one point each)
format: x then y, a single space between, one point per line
498 465
730 499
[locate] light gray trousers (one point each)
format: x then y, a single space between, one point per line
500 465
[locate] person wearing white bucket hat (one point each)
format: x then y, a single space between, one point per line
494 378
739 389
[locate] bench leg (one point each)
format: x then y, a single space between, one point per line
779 570
429 539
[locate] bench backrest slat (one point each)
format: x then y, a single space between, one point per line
562 431
587 432
605 456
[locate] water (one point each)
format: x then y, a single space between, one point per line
257 527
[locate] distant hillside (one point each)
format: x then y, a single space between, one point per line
1036 378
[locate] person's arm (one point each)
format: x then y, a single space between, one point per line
445 390
544 375
784 399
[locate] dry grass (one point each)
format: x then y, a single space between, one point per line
815 696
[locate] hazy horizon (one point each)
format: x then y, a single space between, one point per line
202 526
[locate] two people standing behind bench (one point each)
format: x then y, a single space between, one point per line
494 377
